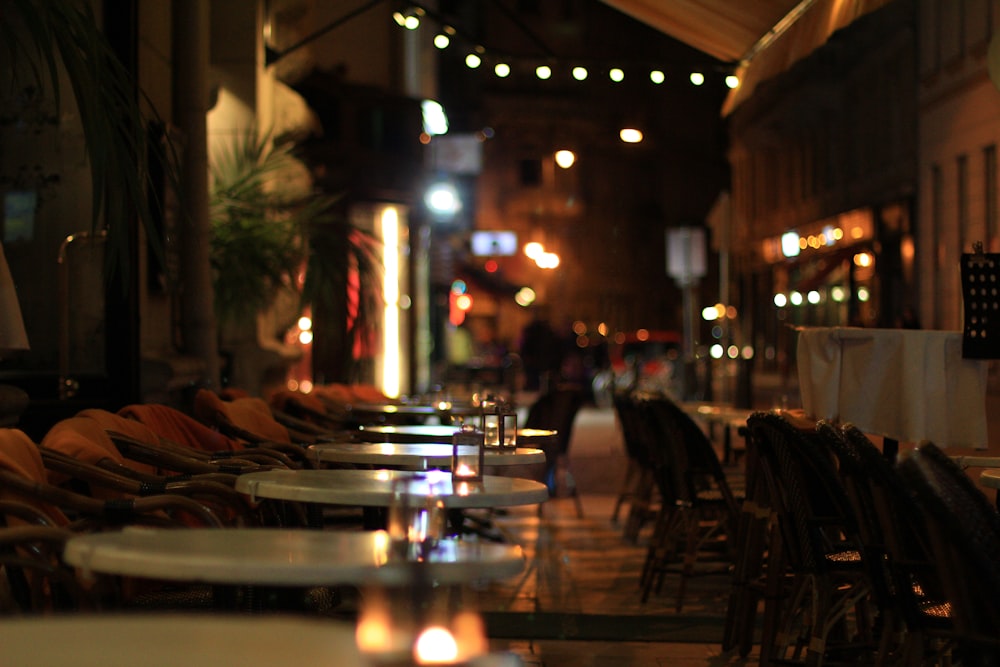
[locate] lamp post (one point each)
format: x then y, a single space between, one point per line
686 264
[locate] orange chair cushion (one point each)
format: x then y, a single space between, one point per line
250 414
180 428
19 455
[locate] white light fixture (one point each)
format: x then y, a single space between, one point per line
697 78
732 81
390 295
442 198
565 158
441 40
543 72
502 70
630 135
473 61
616 74
790 244
657 76
580 73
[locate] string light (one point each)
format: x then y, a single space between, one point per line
504 68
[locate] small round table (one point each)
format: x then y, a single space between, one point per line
415 456
284 557
531 437
374 488
175 640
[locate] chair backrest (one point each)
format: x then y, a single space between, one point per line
964 531
249 416
815 515
20 456
892 526
178 427
630 420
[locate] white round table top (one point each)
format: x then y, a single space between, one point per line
284 557
439 433
374 488
415 455
415 409
176 640
990 478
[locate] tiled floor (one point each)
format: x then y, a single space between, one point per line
579 603
583 595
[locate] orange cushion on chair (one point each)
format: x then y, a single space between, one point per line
250 414
19 455
85 438
180 428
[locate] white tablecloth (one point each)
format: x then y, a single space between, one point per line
910 385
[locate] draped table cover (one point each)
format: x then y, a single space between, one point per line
905 384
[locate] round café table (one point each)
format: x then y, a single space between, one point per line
283 557
190 640
403 433
373 488
415 456
390 411
990 477
176 640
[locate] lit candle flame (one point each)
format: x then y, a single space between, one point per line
435 645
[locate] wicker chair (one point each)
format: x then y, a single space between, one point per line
639 486
37 581
698 515
964 531
818 603
917 620
24 478
557 410
251 421
80 455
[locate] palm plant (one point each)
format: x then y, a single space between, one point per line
40 38
265 231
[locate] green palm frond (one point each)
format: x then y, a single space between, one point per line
42 36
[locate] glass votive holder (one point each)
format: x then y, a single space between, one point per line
467 446
490 424
417 516
508 428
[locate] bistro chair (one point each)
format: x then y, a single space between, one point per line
33 577
24 478
818 595
80 455
639 485
556 410
699 511
916 623
250 421
964 534
185 435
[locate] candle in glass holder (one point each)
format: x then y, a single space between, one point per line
467 455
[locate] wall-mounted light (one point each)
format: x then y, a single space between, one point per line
630 135
565 158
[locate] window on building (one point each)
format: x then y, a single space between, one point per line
531 172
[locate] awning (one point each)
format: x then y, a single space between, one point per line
761 38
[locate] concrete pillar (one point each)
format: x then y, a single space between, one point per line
191 56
